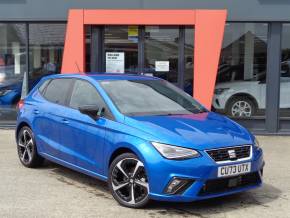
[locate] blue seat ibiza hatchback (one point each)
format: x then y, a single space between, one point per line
145 137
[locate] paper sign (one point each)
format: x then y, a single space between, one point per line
133 33
162 66
115 62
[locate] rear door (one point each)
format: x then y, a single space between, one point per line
83 137
48 115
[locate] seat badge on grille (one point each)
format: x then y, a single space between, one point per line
232 154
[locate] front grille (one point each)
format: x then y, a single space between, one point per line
223 154
230 183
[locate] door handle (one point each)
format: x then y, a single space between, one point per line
36 111
65 121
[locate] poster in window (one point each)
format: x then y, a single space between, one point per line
133 33
115 62
162 66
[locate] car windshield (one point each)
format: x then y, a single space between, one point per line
150 97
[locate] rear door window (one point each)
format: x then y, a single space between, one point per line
57 91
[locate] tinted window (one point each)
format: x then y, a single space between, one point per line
12 65
150 97
57 90
121 45
161 52
46 42
240 90
85 94
285 74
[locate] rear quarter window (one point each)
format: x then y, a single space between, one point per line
42 87
57 91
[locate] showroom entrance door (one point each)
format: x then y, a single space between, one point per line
161 51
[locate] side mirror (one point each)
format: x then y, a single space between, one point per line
92 111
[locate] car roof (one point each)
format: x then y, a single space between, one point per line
105 76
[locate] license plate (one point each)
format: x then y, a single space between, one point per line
232 170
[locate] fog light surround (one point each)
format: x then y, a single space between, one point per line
177 185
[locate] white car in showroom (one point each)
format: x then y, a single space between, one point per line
245 98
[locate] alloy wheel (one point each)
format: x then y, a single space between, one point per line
25 146
241 109
129 181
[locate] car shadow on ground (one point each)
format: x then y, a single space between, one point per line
259 197
215 206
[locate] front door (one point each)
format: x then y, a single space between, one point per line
83 137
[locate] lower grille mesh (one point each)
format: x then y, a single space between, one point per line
227 184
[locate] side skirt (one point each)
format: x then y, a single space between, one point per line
73 167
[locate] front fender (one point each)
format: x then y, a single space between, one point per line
141 148
119 135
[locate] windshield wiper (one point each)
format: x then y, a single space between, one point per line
172 114
201 111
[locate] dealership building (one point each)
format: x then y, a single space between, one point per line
252 83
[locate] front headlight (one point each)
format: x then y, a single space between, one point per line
219 91
175 152
4 92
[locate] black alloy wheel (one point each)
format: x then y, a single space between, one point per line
26 147
128 181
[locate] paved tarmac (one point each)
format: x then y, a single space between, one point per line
54 191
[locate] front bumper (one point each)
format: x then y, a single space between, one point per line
219 101
203 171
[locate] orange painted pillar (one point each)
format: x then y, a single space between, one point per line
74 48
209 29
209 32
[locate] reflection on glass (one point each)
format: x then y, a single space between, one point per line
121 49
188 60
285 74
12 67
241 81
46 42
161 52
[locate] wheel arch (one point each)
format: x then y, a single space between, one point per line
120 150
243 94
139 148
20 125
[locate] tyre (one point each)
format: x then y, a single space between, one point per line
128 181
26 148
241 106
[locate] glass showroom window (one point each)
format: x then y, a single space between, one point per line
240 90
12 67
161 52
121 49
188 59
88 41
285 74
46 42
